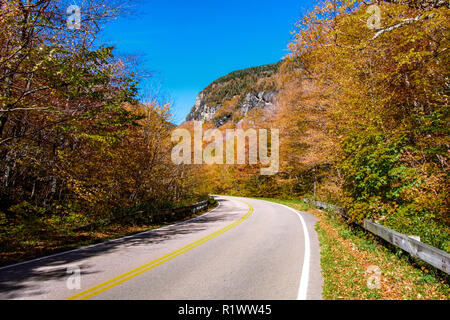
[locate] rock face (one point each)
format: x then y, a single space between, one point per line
260 100
201 111
232 97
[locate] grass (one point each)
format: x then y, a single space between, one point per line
348 253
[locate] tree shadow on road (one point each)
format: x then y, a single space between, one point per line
33 279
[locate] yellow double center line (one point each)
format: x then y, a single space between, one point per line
85 295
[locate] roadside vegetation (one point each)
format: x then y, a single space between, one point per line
348 254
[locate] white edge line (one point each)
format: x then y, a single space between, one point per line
304 280
106 242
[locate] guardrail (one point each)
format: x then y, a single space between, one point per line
157 216
431 255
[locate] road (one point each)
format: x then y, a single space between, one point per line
245 249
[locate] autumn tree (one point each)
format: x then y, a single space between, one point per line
381 99
75 142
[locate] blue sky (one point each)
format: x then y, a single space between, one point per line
188 44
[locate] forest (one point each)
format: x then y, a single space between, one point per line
76 141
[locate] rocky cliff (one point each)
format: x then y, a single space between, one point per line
201 111
232 97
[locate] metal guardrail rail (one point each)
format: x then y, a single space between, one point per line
429 254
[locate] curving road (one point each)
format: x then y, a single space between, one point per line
245 249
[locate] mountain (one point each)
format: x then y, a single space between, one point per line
232 97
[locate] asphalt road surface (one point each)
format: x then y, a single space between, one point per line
245 249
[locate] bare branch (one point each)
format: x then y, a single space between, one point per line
401 24
23 109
